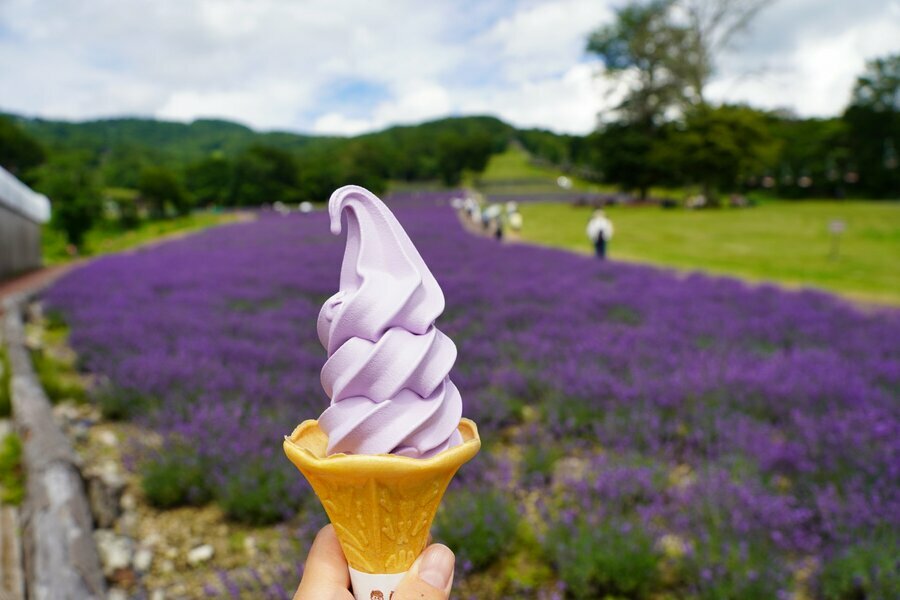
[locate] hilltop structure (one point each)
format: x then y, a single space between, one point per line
22 211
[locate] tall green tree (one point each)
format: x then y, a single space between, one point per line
69 181
625 155
638 49
710 27
873 127
208 181
457 153
717 148
161 190
19 152
264 175
662 54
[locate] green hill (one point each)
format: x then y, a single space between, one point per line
119 149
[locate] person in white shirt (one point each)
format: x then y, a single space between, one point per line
515 221
600 232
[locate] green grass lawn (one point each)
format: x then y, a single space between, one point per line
106 239
785 242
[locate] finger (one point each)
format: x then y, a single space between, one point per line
325 576
430 577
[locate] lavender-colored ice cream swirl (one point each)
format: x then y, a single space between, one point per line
387 368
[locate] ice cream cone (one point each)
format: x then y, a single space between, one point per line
381 505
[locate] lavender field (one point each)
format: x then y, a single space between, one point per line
646 434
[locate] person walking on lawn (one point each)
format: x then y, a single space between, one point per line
600 232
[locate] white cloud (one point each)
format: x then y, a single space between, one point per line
812 71
546 38
337 124
269 106
297 65
569 103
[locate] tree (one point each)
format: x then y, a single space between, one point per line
161 189
209 180
122 164
812 159
717 148
624 154
263 174
456 153
19 152
663 51
878 88
711 27
668 49
873 127
68 182
642 43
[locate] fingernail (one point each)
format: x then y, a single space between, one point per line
436 567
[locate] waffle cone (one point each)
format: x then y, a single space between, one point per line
381 505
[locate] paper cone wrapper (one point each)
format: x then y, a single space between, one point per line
381 505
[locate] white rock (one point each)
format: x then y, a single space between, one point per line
143 558
129 521
105 486
570 468
79 431
129 502
158 595
116 594
108 438
115 550
66 412
200 554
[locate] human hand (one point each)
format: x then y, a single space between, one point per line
326 576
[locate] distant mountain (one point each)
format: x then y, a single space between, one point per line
186 142
116 151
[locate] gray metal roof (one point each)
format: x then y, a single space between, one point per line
19 197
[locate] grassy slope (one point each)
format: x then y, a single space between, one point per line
508 171
787 242
105 240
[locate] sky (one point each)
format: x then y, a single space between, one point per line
351 66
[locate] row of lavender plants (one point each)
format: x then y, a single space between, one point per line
645 433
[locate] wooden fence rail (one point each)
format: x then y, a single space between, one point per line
60 556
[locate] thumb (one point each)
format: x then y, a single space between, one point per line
430 577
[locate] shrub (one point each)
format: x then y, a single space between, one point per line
176 477
868 569
58 378
610 559
12 476
117 404
57 373
538 461
259 494
55 321
735 568
478 525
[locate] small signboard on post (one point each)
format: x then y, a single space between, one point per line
836 227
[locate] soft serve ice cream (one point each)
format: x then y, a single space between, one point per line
388 365
382 455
